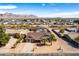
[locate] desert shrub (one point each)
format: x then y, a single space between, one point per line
62 31
17 35
77 38
52 38
44 40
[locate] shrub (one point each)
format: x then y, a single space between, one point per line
44 40
62 31
17 35
77 38
52 37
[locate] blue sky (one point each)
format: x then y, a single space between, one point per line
42 9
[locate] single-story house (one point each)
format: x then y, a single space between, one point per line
36 36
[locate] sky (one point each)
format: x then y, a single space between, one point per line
65 10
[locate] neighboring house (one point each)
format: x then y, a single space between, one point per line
38 29
72 29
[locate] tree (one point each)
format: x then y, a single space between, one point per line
76 21
4 38
52 38
77 39
62 32
44 40
48 39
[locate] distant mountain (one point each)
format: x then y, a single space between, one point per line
10 15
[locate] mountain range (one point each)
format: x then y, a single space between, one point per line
11 15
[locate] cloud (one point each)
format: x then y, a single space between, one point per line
1 11
8 7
